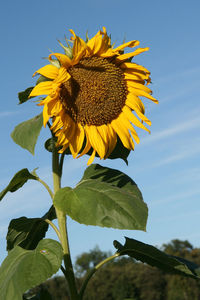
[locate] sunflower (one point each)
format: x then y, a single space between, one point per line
93 95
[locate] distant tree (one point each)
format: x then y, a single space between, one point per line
177 247
88 260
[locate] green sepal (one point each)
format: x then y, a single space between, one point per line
18 180
23 269
50 144
24 95
42 78
157 258
104 197
26 133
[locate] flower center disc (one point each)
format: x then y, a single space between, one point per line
96 92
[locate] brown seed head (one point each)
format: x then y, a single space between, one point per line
95 93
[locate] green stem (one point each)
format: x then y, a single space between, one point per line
91 272
46 186
53 226
69 273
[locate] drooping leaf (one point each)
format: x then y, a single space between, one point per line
26 232
156 258
26 133
104 197
19 179
24 96
23 269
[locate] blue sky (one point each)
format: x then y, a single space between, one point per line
165 165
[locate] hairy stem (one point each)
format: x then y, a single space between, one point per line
69 273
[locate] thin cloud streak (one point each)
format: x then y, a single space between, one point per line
188 125
176 197
188 152
179 75
8 113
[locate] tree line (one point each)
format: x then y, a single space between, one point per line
126 278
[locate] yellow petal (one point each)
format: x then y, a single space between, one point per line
125 123
132 54
48 71
139 73
130 65
42 88
142 93
130 44
96 140
76 142
112 140
46 116
57 124
135 85
94 44
87 147
70 132
63 76
134 102
132 118
103 131
64 148
122 133
63 59
91 158
54 107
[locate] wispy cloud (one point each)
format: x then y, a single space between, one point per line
180 196
180 75
180 155
193 122
8 113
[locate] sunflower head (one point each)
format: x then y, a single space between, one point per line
93 96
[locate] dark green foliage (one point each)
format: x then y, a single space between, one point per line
156 258
124 279
88 260
18 180
26 232
24 96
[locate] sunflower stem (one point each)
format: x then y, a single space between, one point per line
69 273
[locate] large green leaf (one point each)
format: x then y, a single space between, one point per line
19 179
24 269
26 133
156 258
104 197
26 232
